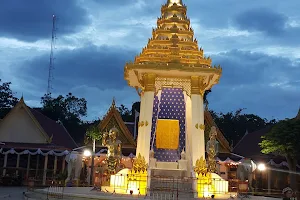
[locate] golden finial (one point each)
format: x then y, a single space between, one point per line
113 104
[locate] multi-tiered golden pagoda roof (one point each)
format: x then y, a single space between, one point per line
172 47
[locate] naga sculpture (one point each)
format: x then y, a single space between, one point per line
114 150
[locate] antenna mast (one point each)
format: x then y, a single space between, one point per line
51 64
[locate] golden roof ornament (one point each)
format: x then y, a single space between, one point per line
172 51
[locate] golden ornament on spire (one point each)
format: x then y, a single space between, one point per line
172 51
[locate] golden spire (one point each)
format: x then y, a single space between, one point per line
172 51
173 39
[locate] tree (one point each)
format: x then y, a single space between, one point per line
93 134
234 124
205 100
7 98
64 108
125 113
284 139
68 110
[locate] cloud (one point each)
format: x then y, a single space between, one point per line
100 67
262 19
32 20
273 24
265 85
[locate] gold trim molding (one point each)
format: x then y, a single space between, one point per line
200 83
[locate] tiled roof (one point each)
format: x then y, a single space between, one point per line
57 131
249 147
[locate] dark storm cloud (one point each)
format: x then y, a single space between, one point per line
270 23
265 85
262 19
32 20
244 67
100 67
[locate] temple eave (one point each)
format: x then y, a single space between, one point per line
134 72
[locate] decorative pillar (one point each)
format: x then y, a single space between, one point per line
55 165
18 164
188 130
197 108
140 143
28 166
145 123
45 170
5 164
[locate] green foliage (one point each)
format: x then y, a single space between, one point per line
205 100
234 124
283 139
7 98
127 115
93 133
68 110
65 108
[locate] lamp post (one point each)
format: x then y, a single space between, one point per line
261 167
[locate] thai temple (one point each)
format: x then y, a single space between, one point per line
171 75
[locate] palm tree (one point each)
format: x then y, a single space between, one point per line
93 134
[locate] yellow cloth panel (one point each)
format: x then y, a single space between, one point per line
167 134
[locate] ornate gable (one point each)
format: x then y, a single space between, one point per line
113 119
14 114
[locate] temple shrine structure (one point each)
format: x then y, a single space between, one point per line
171 75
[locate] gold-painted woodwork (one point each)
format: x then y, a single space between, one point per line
200 167
141 124
149 82
167 134
113 119
201 83
146 123
139 164
202 127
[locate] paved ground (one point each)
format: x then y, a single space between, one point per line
12 193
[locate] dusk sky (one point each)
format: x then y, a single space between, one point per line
256 42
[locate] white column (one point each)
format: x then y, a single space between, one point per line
55 165
45 170
146 112
149 100
5 164
188 130
196 136
140 138
198 140
18 164
201 127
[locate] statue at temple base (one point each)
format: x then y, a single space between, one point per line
212 150
114 150
74 160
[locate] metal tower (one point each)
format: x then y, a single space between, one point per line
51 64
